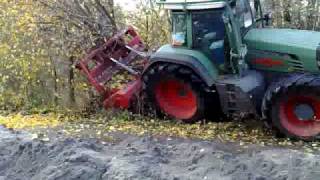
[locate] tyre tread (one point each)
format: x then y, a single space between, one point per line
296 82
181 72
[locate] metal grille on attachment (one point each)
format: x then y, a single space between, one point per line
103 62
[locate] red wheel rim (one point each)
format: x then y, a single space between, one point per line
293 123
176 99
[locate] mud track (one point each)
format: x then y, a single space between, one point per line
131 157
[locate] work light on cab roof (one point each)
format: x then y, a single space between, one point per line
224 59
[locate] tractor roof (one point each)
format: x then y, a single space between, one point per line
192 4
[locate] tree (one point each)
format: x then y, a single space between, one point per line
152 22
74 27
39 43
20 54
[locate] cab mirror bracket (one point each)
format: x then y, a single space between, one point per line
268 18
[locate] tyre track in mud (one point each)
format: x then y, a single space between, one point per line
132 157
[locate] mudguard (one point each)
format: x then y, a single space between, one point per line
193 59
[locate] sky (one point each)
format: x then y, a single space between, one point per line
129 5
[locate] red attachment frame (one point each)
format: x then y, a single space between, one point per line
101 63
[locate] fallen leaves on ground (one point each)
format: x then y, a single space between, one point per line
245 133
19 121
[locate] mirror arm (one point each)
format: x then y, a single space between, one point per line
265 18
260 19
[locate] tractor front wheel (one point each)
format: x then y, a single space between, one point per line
175 91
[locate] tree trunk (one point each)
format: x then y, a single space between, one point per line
72 98
310 15
275 8
55 83
111 4
108 15
316 21
287 11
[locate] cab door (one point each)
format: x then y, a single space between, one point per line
208 33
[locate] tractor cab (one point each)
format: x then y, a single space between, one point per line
214 28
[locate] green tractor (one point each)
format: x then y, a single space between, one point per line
224 57
223 60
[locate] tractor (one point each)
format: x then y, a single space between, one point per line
224 59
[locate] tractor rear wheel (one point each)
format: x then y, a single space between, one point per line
175 91
295 111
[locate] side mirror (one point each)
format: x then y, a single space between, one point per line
268 18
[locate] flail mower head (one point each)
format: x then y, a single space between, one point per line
101 64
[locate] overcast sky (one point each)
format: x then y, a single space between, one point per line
127 4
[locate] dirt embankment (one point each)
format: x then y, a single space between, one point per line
131 157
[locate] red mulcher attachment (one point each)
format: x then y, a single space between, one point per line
103 62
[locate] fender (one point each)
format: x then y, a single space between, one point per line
193 59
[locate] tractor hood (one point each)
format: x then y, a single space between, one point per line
301 44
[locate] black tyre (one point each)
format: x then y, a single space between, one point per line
175 91
295 108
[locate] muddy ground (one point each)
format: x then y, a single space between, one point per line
131 157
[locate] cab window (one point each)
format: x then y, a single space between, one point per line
253 8
256 9
207 27
244 13
179 28
208 32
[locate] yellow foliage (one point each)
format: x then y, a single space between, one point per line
19 121
4 49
